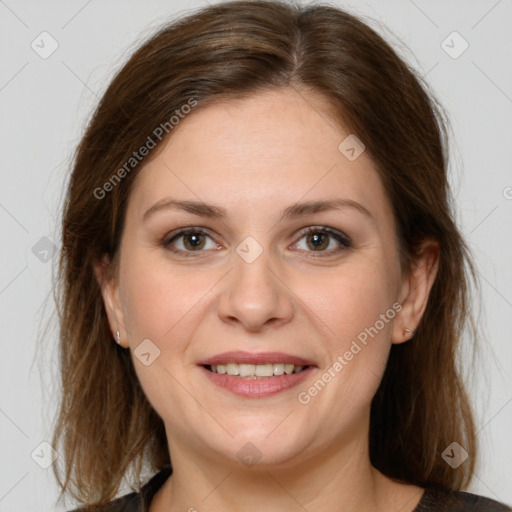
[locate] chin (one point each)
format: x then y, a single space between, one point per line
264 446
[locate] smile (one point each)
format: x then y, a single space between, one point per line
255 371
256 375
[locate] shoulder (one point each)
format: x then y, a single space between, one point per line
135 501
129 503
439 500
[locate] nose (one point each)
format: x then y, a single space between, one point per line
255 295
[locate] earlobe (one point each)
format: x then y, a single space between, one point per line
110 294
415 291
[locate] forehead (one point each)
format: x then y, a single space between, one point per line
281 145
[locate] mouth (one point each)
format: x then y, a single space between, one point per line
256 375
255 371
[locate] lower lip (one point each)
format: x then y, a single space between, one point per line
257 388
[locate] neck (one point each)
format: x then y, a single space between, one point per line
338 480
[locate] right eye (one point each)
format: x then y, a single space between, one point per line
193 240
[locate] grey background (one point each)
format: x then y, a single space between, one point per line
44 104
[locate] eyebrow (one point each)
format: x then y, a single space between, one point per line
294 211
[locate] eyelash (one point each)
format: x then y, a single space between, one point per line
338 236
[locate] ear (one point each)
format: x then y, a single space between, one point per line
108 283
415 290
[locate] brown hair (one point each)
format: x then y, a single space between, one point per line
105 423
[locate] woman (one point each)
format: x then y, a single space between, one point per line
259 216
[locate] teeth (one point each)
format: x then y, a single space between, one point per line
264 370
232 369
256 371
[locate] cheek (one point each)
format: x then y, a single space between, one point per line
354 309
163 304
158 298
353 300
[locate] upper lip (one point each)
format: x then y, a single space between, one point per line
240 357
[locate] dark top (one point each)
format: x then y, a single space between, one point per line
433 500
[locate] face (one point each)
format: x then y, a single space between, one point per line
314 287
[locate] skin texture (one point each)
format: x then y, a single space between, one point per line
254 157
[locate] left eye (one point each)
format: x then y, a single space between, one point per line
319 238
